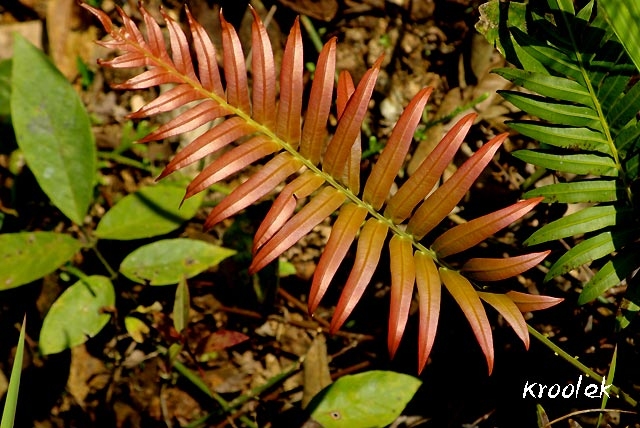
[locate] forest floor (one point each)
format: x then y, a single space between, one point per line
252 329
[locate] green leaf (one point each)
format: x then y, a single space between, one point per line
582 164
151 211
27 256
492 22
557 87
77 315
590 249
366 400
559 112
578 191
610 275
181 306
624 17
5 88
53 130
586 220
11 402
167 261
566 137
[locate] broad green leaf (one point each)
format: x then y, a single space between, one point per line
579 191
151 211
366 400
610 275
566 137
27 256
181 306
53 130
77 315
11 401
624 17
550 86
5 88
559 112
167 261
590 249
586 220
582 164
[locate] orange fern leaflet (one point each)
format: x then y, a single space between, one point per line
327 172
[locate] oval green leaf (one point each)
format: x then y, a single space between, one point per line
53 130
151 211
77 315
167 261
365 400
27 256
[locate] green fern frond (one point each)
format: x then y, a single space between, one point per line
586 100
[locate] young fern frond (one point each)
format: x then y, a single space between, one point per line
587 102
327 174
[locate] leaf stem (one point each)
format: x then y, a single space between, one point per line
577 364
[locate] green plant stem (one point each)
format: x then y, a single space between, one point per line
237 402
533 178
125 161
577 364
198 383
112 273
313 34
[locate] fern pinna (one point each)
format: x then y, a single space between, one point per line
586 97
326 174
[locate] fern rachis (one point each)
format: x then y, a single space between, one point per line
327 173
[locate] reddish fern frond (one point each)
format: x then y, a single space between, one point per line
323 177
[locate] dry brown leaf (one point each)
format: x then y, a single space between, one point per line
315 369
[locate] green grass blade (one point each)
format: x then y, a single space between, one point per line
583 221
575 164
11 403
579 191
